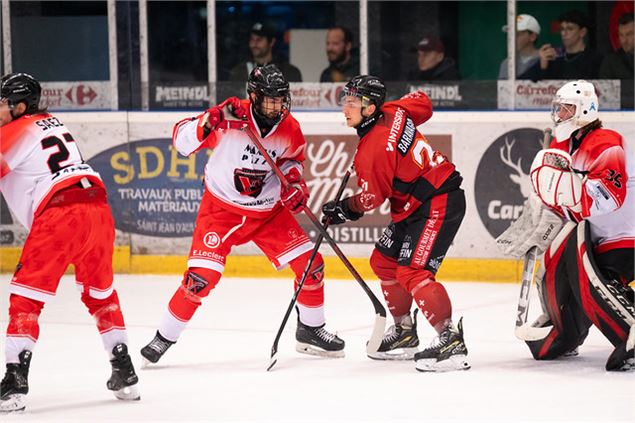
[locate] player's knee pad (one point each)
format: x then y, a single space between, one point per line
384 267
198 282
312 292
23 316
413 279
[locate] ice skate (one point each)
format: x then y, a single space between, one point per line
400 342
446 353
15 385
318 341
155 349
123 381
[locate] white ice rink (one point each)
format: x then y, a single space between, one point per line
216 372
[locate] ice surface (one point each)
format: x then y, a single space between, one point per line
216 372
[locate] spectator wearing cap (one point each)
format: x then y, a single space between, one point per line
574 60
432 63
343 64
262 39
527 32
619 64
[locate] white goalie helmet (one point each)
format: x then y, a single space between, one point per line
575 106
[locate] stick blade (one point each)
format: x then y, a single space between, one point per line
527 332
377 335
274 360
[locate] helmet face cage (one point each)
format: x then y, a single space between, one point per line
268 81
562 111
21 88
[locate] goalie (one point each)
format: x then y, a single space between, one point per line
587 179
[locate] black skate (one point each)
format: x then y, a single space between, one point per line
15 385
155 349
318 341
400 342
447 353
123 380
623 357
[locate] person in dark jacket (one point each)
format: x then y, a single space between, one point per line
432 63
574 60
343 61
619 64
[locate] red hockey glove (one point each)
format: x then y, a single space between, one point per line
296 195
221 117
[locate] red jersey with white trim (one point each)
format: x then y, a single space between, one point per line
236 174
38 157
395 161
607 165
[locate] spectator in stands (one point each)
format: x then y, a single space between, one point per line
527 32
619 64
343 64
262 39
574 60
432 63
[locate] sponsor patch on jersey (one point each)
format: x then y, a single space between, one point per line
407 137
211 240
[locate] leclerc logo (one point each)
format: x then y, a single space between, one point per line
211 240
502 179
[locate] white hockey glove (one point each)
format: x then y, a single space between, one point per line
554 181
536 226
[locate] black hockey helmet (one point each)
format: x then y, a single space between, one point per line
367 87
269 81
21 88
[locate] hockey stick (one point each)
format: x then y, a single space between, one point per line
523 330
318 242
380 312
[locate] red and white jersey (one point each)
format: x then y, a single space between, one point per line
38 157
395 161
607 165
236 174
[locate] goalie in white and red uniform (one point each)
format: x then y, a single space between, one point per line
587 176
61 200
244 201
394 161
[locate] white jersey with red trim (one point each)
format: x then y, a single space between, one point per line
38 157
606 162
236 174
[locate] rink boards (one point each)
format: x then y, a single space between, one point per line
154 193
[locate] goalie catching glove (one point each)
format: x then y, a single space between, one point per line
338 212
216 117
554 180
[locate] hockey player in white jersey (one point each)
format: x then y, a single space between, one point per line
62 201
244 201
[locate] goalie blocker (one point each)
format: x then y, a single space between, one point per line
582 287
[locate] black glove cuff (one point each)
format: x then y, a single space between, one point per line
348 212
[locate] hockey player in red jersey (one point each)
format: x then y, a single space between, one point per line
394 161
587 177
244 201
62 201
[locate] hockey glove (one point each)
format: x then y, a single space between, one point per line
338 212
217 117
295 196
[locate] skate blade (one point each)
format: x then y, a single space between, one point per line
313 350
128 393
398 354
15 403
456 362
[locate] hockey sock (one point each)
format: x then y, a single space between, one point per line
108 318
311 297
23 329
429 295
196 284
397 298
